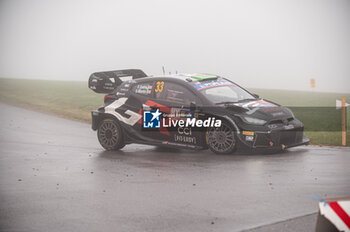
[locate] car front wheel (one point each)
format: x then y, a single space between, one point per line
110 135
222 140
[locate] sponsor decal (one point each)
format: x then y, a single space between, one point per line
132 118
251 133
202 76
130 81
256 104
184 139
184 135
272 126
108 87
271 109
288 127
212 84
159 86
277 114
145 89
184 131
124 89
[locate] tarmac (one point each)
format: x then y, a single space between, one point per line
54 176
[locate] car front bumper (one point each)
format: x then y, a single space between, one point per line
275 139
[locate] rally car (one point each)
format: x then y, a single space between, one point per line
194 111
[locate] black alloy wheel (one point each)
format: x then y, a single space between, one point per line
110 135
222 140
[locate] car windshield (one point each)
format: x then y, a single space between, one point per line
228 93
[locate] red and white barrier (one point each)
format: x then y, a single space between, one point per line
337 211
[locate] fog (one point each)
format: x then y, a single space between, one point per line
262 44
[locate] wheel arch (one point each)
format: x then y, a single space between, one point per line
96 120
234 127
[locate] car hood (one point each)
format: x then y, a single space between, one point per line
261 109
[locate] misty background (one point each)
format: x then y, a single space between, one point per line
274 44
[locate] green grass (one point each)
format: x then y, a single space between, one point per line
74 100
69 99
316 110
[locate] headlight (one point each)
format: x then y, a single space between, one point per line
290 111
254 121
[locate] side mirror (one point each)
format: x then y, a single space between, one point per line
193 106
256 95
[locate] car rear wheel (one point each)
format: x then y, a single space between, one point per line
222 140
110 135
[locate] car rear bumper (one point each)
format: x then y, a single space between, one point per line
95 119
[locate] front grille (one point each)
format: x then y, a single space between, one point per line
291 136
278 137
287 137
280 121
262 140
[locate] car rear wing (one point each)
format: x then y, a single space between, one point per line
106 82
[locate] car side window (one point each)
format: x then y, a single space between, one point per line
144 88
173 92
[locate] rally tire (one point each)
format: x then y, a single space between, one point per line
110 136
222 140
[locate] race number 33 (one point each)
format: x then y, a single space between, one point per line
160 85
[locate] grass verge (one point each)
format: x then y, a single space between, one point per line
74 100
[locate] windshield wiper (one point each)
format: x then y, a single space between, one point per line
232 102
247 99
225 102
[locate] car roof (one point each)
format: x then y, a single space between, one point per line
190 79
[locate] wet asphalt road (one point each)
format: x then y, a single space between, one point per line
54 176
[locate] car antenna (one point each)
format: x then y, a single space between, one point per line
163 70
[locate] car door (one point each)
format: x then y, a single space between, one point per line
138 95
175 101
